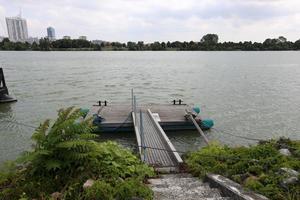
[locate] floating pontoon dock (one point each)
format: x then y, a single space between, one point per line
117 118
149 123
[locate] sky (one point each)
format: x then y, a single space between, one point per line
158 20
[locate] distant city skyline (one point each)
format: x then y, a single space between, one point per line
156 20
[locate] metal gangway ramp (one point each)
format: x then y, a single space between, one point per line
154 145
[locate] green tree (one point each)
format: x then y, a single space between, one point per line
297 45
282 39
44 44
156 46
35 46
210 39
6 44
140 45
131 46
169 44
97 47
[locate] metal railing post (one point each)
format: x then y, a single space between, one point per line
134 108
132 99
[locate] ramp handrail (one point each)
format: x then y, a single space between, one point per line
136 128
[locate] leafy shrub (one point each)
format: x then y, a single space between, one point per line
99 190
132 188
256 167
64 157
252 183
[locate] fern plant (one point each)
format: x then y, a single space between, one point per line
67 144
64 156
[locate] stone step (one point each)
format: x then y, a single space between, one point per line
219 198
181 182
174 181
192 198
183 187
176 191
179 175
190 186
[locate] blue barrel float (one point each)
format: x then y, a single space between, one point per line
205 123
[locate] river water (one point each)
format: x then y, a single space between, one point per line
250 94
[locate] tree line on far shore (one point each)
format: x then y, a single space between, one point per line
209 42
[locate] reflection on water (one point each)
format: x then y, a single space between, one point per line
5 110
14 137
252 94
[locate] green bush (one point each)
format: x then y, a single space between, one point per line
64 157
256 167
132 188
252 183
99 190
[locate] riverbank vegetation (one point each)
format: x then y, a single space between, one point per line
261 168
209 42
66 163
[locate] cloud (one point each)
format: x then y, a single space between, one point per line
2 21
156 20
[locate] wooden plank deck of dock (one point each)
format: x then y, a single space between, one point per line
118 117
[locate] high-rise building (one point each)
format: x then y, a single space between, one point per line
51 33
98 42
82 38
66 37
17 29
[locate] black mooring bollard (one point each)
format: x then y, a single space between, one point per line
4 95
100 103
3 88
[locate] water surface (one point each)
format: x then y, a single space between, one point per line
251 94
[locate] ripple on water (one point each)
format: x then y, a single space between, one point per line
56 92
110 86
176 95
